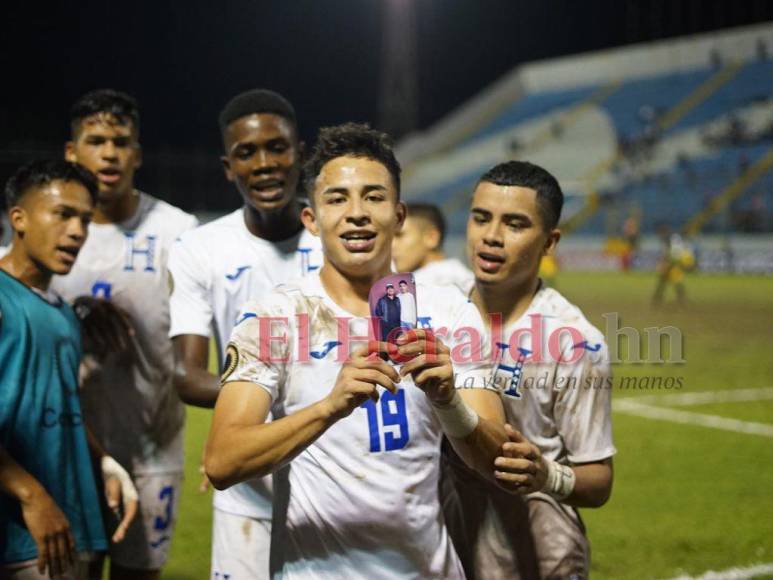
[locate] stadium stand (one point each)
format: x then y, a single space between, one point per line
685 141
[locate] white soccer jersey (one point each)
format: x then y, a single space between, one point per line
131 405
215 269
445 272
363 498
562 404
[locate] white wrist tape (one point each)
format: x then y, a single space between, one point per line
560 481
111 468
456 418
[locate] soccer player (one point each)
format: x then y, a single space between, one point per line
676 257
361 497
49 511
554 373
129 401
218 267
418 248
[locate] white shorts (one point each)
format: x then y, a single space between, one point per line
147 541
240 547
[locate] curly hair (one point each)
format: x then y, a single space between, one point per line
350 140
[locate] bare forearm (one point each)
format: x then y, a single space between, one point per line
196 386
242 445
481 447
235 453
15 480
593 485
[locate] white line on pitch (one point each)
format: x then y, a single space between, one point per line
633 407
706 397
732 573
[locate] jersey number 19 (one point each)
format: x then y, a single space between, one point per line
394 421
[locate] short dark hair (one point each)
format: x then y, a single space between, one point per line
256 101
38 174
432 214
120 105
550 198
350 140
402 282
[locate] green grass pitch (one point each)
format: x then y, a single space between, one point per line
687 498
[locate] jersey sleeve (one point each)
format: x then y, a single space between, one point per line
583 406
189 302
260 348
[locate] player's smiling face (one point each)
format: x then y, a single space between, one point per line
506 237
110 150
53 224
356 214
263 160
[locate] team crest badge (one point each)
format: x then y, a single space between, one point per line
510 373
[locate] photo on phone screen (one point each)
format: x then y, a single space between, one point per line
392 303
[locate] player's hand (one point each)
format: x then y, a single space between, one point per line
520 467
358 379
120 493
429 364
106 328
50 530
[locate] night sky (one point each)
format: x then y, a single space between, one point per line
183 60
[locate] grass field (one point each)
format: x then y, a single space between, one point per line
688 498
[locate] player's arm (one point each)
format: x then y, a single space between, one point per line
106 329
194 383
582 416
472 419
190 310
481 447
120 492
593 484
521 469
241 445
45 522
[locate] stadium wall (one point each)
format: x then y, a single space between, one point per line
736 254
